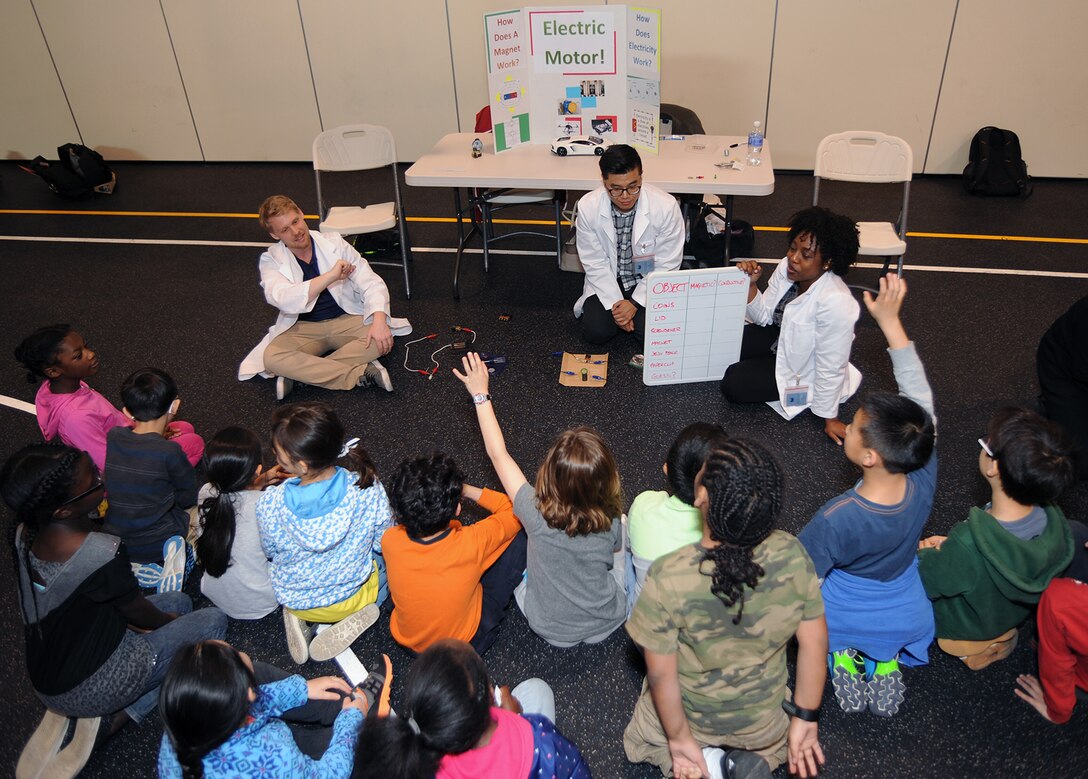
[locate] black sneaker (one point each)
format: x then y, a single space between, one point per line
742 764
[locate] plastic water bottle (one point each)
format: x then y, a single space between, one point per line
755 144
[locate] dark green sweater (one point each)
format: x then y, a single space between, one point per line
984 580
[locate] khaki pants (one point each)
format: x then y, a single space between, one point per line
644 741
297 352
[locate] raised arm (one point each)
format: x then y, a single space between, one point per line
476 379
910 375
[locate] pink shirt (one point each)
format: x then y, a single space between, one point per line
81 419
509 754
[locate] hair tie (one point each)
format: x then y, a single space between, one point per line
350 444
413 725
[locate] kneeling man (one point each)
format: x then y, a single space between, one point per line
626 231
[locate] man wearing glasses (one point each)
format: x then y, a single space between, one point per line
626 231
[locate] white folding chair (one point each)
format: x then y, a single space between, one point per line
356 147
872 158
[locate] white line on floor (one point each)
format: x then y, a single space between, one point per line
443 250
18 405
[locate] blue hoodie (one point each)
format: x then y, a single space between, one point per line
320 538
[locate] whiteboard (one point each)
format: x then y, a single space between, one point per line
694 324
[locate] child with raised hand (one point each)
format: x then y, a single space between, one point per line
226 716
574 591
449 580
986 576
662 522
150 482
68 408
713 622
229 545
321 531
453 723
863 542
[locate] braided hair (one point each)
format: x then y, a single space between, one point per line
743 483
34 482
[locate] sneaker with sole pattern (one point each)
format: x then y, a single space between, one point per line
886 688
848 680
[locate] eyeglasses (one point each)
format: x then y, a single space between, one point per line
98 485
630 189
986 448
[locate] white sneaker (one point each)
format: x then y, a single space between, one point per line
284 386
376 375
173 565
333 640
298 636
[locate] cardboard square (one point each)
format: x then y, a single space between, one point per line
594 365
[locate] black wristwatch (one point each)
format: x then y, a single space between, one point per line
808 715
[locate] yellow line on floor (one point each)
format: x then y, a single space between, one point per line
450 220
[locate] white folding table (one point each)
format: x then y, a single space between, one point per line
685 166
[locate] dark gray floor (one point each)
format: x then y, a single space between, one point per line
195 310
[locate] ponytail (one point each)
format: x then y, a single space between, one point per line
744 494
389 748
360 462
311 433
231 460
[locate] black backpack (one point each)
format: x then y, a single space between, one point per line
80 173
709 250
996 166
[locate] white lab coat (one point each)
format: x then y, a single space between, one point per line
814 343
658 230
363 292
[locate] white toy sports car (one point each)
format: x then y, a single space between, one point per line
580 144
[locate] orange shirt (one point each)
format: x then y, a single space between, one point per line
435 585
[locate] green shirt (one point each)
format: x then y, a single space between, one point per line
660 523
731 676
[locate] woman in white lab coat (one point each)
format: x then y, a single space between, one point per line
796 350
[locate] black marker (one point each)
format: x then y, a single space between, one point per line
733 145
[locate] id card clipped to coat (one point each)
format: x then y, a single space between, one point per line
796 394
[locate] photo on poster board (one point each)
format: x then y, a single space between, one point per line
568 125
694 324
603 125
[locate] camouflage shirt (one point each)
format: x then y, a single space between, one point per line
731 676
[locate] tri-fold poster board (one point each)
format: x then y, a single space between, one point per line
561 71
694 324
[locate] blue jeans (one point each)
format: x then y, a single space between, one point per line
189 628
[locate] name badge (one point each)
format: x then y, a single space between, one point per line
644 264
797 395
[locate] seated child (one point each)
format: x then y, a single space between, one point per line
448 580
987 574
68 408
228 544
713 622
227 716
95 647
150 482
1063 652
863 542
662 522
322 532
453 724
575 584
